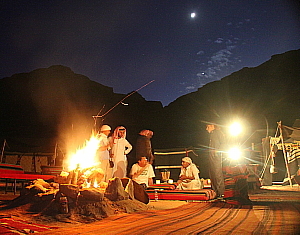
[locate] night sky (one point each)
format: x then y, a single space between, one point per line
125 44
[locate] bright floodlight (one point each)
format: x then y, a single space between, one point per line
235 129
234 153
193 15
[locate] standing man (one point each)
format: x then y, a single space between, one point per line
142 172
143 145
217 142
104 147
120 148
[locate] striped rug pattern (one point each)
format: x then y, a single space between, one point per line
10 226
200 218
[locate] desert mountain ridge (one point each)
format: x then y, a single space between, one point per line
50 105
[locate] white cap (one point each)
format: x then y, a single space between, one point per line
105 128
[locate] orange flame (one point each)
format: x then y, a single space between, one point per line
85 156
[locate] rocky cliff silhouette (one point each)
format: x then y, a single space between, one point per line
50 105
262 96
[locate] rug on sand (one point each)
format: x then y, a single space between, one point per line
200 218
16 226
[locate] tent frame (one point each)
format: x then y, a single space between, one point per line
279 137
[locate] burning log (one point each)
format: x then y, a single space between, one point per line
40 185
89 177
63 178
95 177
73 176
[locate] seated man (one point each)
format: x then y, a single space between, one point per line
189 176
142 172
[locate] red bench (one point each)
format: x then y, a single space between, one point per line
14 174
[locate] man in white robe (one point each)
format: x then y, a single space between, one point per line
120 148
189 176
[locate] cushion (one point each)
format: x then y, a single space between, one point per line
184 195
6 168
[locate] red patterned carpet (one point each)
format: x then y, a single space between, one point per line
272 212
10 226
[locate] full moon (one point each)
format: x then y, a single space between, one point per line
193 15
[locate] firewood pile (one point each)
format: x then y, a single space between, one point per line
69 196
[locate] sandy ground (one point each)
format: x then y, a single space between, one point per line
63 221
165 204
153 205
294 188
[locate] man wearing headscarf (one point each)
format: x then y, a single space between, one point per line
103 151
120 148
189 175
143 146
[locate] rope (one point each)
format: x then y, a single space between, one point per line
97 116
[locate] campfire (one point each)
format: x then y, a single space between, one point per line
83 168
79 190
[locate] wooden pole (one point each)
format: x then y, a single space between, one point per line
2 153
100 116
53 162
284 155
33 162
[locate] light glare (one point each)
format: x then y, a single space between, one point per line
234 153
235 129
